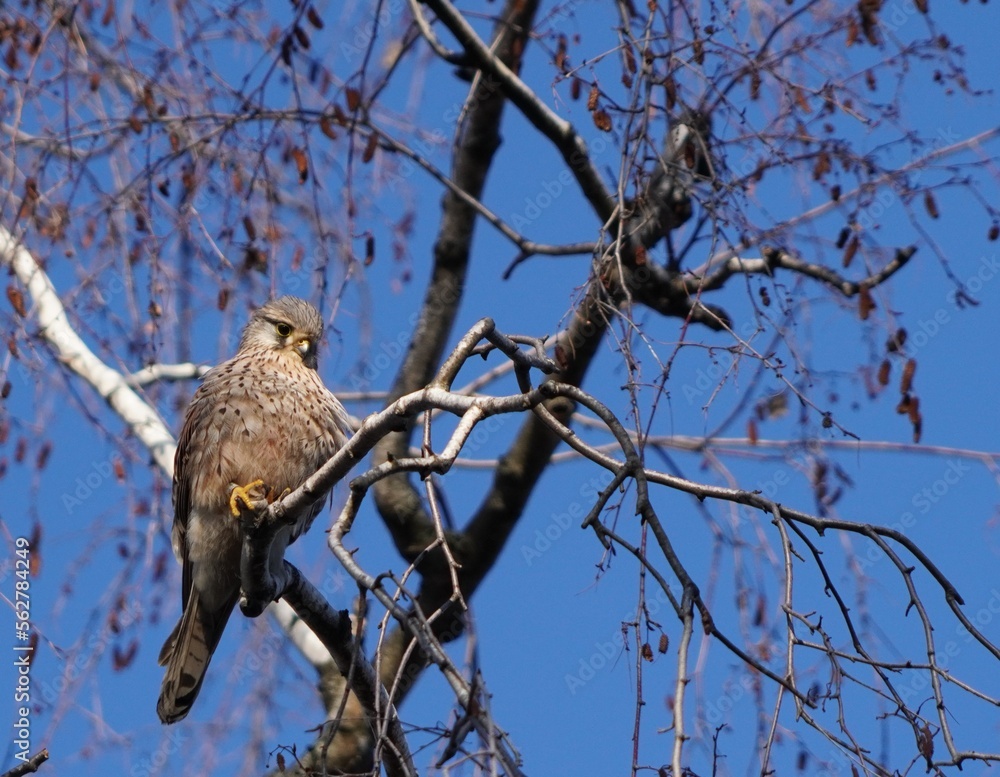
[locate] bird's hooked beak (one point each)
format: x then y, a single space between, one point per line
307 350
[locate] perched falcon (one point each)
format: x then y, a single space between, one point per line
264 415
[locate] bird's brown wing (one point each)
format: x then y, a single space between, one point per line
182 502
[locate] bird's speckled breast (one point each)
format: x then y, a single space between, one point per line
255 417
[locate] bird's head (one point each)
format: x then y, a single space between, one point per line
286 324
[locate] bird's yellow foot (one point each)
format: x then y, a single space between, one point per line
273 497
242 494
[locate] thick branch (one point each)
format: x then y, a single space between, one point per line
71 351
30 766
396 498
773 259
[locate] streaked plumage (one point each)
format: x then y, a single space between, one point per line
264 414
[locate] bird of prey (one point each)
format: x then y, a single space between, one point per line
261 419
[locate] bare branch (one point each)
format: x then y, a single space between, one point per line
72 352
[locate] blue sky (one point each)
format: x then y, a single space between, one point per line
549 617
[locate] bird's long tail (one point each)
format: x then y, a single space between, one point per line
187 653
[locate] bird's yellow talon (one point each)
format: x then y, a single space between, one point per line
271 498
242 494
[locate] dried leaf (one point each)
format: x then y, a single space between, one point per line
314 18
370 147
254 260
852 249
842 237
301 163
852 31
801 101
760 612
30 201
906 382
931 205
630 63
561 58
120 659
925 741
822 166
353 99
160 565
865 303
601 120
884 369
869 19
670 87
10 58
301 37
43 455
16 300
326 127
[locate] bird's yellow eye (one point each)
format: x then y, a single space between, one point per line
283 330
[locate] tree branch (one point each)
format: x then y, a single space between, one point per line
71 351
